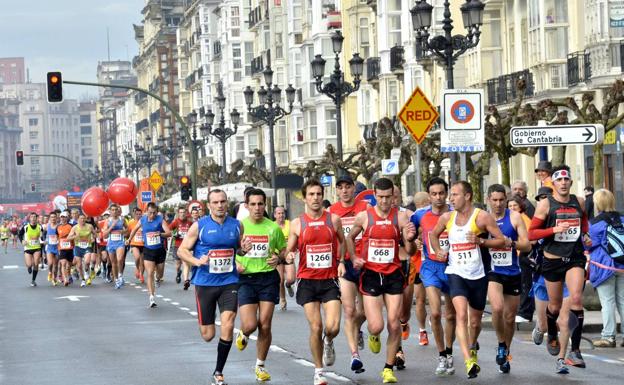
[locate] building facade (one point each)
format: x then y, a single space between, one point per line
11 187
12 70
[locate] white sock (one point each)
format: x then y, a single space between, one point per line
259 362
423 330
326 340
318 370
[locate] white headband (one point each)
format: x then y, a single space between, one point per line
561 174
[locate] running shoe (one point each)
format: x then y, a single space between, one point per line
356 364
473 354
605 342
405 330
117 283
388 377
33 283
504 368
241 340
501 355
217 379
262 375
360 340
136 273
283 304
374 344
98 271
561 367
575 359
187 284
92 274
89 281
50 276
329 354
152 301
66 283
423 338
141 278
122 281
441 368
178 276
290 290
450 369
472 368
399 360
538 336
319 379
83 283
553 346
55 282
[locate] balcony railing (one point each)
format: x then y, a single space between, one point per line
257 65
504 89
154 117
256 15
373 68
142 124
579 68
140 98
396 58
216 50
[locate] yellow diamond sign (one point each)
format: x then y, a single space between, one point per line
156 180
418 115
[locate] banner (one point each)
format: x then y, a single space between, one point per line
73 200
616 14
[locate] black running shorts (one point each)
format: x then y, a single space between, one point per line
375 284
317 290
512 284
207 298
154 255
475 290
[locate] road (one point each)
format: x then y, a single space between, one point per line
101 336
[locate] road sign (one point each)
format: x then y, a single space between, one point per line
559 135
368 196
146 196
462 121
194 205
418 115
156 181
395 153
326 180
610 137
389 167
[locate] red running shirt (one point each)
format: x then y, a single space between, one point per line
318 248
347 216
182 228
381 242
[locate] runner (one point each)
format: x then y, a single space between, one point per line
317 234
210 246
66 246
14 227
466 266
279 215
102 242
30 236
180 226
154 230
43 222
82 234
382 280
136 245
115 229
51 245
560 220
5 233
259 280
346 208
505 283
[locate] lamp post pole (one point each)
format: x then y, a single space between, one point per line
269 111
448 47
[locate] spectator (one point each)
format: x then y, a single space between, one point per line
520 189
543 173
326 203
589 201
516 203
608 283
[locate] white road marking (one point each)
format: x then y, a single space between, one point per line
184 308
193 313
166 299
175 303
159 296
10 267
73 298
303 362
144 290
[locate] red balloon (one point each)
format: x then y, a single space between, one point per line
94 202
122 191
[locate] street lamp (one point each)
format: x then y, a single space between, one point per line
269 111
168 148
131 163
146 156
447 48
337 89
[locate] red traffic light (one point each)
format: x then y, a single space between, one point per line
185 181
19 156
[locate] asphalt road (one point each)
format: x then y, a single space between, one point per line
98 335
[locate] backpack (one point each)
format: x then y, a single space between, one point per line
615 238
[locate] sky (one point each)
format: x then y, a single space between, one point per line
68 35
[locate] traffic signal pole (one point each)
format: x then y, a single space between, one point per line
61 157
192 150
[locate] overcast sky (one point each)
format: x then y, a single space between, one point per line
68 35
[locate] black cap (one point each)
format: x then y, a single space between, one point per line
544 165
346 178
542 192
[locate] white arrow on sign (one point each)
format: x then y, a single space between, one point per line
73 298
561 135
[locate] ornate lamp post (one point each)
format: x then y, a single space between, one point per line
269 111
168 149
220 131
448 47
337 89
131 163
147 156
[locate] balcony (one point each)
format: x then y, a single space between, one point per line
256 15
140 98
216 50
154 85
579 68
503 89
141 124
189 81
154 117
396 58
256 65
373 68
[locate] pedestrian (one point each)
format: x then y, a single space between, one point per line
280 217
589 201
606 272
520 189
543 171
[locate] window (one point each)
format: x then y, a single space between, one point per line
34 161
282 136
556 11
33 121
311 146
279 39
252 141
34 148
235 17
330 121
297 13
85 130
34 134
299 129
297 69
558 76
240 147
86 141
236 62
249 55
556 43
394 5
393 98
364 43
85 118
394 30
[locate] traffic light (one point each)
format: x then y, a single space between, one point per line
55 87
32 187
19 156
185 188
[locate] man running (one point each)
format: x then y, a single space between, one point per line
562 222
347 208
30 236
210 247
505 283
51 248
82 234
66 247
5 233
137 244
317 235
14 227
279 214
259 280
102 242
115 229
466 267
180 226
382 279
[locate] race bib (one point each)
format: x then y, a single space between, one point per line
115 237
381 250
319 256
34 242
465 254
221 261
572 233
52 240
347 225
153 238
65 244
259 246
501 257
443 241
83 244
181 234
138 237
